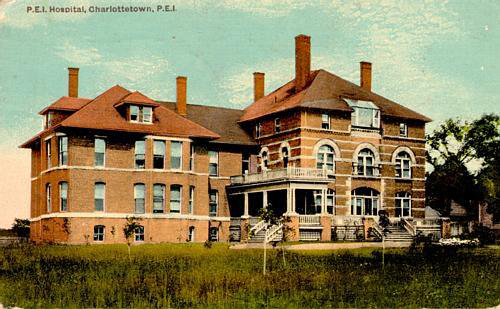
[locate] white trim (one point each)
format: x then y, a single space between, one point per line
328 142
60 134
117 169
370 146
49 137
405 138
98 214
167 138
403 149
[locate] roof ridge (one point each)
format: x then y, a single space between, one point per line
202 105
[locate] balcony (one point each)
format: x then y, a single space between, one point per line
369 171
283 173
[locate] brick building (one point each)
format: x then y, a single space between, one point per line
320 150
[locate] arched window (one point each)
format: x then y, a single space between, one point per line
264 160
403 165
366 161
284 155
325 158
364 202
403 204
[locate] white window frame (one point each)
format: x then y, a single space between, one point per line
402 158
403 129
210 203
375 117
103 196
285 156
156 153
96 139
149 119
400 198
191 233
264 160
191 157
364 166
172 155
330 195
213 160
361 200
63 197
48 201
48 119
137 154
277 125
156 198
172 201
48 150
191 200
139 233
325 121
324 164
62 153
142 115
99 234
138 198
138 113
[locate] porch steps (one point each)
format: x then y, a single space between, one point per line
259 237
398 234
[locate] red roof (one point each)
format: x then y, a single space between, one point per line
324 91
101 114
66 104
137 98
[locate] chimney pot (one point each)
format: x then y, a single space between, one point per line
302 61
181 95
258 85
366 75
73 82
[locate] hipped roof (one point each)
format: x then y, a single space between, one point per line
66 104
324 91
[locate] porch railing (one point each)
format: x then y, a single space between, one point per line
366 171
309 220
408 226
274 232
290 172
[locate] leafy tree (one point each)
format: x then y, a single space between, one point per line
129 229
489 180
452 146
21 227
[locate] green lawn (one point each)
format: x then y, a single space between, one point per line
193 276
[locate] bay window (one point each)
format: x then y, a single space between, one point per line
176 155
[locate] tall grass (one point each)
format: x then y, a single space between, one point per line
192 276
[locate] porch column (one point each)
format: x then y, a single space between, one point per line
245 209
323 201
288 200
264 199
293 201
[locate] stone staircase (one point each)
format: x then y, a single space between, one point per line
398 234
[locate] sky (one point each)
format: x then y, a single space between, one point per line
436 57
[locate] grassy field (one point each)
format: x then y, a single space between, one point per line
193 276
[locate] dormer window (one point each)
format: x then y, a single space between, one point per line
48 119
141 114
365 114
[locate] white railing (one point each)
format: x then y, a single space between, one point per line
367 171
408 226
258 227
309 220
273 233
290 172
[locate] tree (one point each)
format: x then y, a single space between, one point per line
453 146
489 180
21 227
384 222
129 229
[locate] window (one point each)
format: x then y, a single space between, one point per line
49 117
318 198
98 232
213 167
175 198
158 198
403 129
49 154
264 160
191 234
63 196
159 154
48 196
140 154
191 200
245 163
364 202
325 121
139 192
142 114
213 234
277 125
99 151
403 165
330 201
213 203
284 154
191 157
325 158
176 155
99 192
258 129
366 162
365 114
63 150
139 233
403 204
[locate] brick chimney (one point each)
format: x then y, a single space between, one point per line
181 95
366 75
302 61
73 82
258 85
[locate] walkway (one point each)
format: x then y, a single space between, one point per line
325 246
